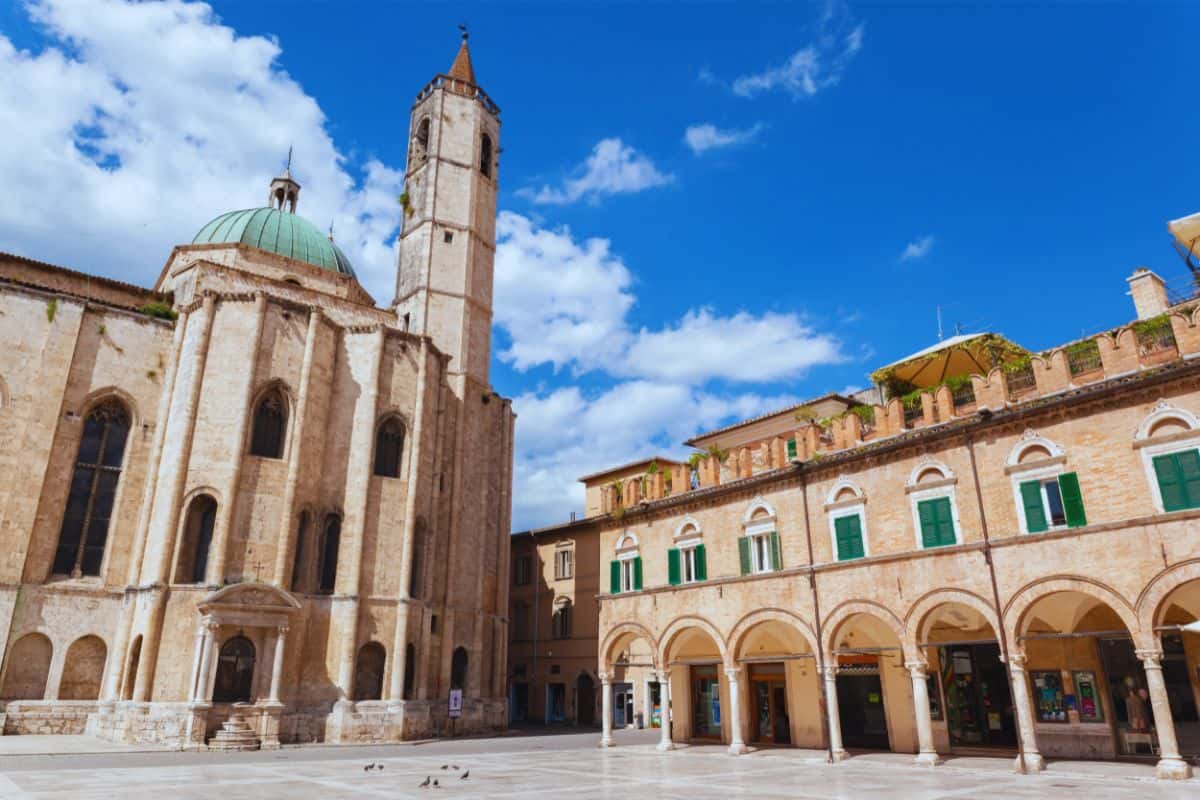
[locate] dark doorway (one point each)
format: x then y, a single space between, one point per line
860 707
585 700
235 671
768 691
556 702
979 707
520 702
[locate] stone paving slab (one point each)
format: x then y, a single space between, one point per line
548 767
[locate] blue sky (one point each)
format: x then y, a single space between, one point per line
849 167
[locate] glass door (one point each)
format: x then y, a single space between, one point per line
768 688
706 703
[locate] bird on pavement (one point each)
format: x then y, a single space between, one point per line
435 784
424 784
445 766
368 767
379 767
465 775
454 766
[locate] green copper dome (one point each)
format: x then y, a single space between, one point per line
279 232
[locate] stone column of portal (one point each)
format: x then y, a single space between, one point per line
220 541
664 694
412 483
357 480
277 663
196 661
203 673
1024 705
737 746
606 737
285 553
836 751
928 755
1171 765
148 659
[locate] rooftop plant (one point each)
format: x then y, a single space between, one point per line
159 309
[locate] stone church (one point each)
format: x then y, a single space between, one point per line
248 506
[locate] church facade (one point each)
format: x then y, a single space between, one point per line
249 506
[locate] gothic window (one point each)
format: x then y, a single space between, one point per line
368 672
421 141
458 669
329 553
235 671
270 423
485 156
389 443
197 538
410 658
93 489
299 584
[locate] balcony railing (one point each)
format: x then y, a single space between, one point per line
913 413
1156 340
963 395
1020 382
1084 358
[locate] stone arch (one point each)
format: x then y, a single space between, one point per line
756 505
680 625
1016 611
1151 604
925 465
623 632
102 395
368 671
919 614
688 522
1028 441
842 484
28 668
627 541
269 438
747 623
1164 411
838 616
83 669
391 431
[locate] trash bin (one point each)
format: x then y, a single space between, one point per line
641 721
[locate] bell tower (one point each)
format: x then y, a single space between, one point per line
448 234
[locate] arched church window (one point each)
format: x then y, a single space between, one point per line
197 538
299 582
485 155
270 422
93 490
421 141
235 671
368 672
458 669
329 553
389 443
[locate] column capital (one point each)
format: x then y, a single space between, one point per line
1151 658
917 668
605 677
829 671
209 624
1015 660
282 629
733 674
664 675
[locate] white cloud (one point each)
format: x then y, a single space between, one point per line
917 249
816 66
139 122
612 168
706 136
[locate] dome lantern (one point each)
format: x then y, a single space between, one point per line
285 191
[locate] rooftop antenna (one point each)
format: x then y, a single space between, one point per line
331 230
462 28
939 319
288 168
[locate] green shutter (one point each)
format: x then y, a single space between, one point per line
776 551
937 522
791 449
848 532
614 577
701 564
1035 512
673 566
1068 487
1189 472
637 573
744 554
1170 484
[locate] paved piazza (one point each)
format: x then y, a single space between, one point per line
547 766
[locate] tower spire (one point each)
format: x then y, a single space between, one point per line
461 69
284 191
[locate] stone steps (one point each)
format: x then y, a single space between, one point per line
235 735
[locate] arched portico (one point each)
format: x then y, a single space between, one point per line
695 664
774 652
630 681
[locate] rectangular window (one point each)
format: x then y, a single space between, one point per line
688 557
760 553
937 522
631 574
522 571
791 449
848 533
1052 503
1178 477
564 564
1048 696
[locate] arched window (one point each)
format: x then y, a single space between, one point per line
389 443
329 553
485 155
192 565
561 622
93 489
686 561
270 424
410 669
458 669
299 578
368 672
421 141
235 671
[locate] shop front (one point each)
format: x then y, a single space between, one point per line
860 703
978 703
768 692
622 709
706 702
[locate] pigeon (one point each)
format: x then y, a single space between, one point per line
465 775
368 767
379 767
454 766
435 784
426 783
445 766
